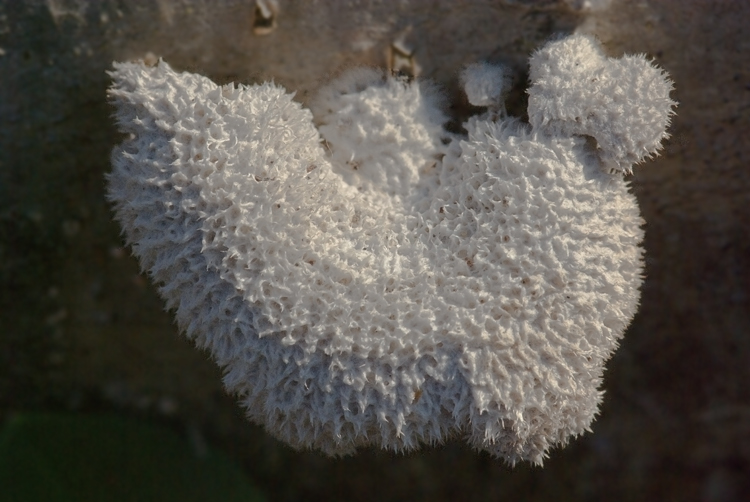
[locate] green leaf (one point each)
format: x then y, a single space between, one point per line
46 457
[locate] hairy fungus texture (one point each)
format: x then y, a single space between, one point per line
400 285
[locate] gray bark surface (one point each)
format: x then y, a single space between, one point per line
81 329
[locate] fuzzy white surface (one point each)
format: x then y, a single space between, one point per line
622 103
399 287
485 84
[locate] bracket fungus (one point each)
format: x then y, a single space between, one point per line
401 285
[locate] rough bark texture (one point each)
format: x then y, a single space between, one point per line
80 329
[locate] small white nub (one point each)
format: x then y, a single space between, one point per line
485 84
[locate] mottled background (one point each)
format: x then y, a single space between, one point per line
81 330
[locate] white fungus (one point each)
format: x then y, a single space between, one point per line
622 103
400 285
485 84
